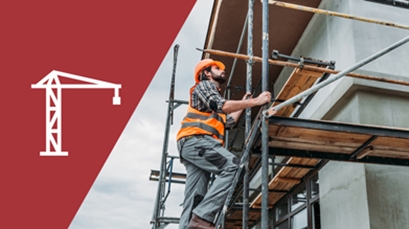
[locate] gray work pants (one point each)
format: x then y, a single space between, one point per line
203 155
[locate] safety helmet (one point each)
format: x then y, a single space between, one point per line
204 64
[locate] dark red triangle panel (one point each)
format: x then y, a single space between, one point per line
122 42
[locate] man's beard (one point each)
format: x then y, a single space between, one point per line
219 78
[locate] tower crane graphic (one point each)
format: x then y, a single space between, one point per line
53 86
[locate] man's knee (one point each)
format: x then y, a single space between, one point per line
233 165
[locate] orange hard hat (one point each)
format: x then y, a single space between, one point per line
204 64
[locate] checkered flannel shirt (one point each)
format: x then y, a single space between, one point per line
206 98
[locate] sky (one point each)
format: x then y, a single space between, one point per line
122 195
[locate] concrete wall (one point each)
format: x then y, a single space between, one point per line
343 197
354 195
387 191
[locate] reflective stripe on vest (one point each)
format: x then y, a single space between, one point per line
197 122
203 127
204 117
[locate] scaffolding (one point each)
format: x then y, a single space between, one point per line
166 175
274 126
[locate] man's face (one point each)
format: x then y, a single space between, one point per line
218 74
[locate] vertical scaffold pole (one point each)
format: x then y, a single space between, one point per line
246 179
233 68
264 123
159 202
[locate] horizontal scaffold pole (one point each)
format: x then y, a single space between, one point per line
336 14
304 66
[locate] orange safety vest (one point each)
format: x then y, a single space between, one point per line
197 122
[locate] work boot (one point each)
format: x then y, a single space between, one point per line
198 223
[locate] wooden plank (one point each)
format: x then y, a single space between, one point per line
285 170
290 83
271 199
288 180
254 215
390 154
391 141
294 160
312 74
292 177
313 147
321 142
286 183
336 142
313 162
378 151
299 81
282 186
300 172
295 172
277 131
365 152
393 148
315 134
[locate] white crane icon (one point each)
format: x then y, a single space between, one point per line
52 84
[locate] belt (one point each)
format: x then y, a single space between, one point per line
196 136
183 140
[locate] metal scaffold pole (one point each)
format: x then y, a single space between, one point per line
305 67
246 151
160 196
264 120
227 92
246 178
335 14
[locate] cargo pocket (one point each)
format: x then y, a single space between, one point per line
216 159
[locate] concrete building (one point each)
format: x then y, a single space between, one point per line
361 195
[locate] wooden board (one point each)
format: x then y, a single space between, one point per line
299 81
333 141
285 180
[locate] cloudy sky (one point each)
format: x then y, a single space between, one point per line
122 196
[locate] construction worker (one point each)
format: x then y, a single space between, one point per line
200 143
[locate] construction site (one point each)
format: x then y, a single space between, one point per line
331 150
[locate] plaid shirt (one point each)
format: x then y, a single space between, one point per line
206 98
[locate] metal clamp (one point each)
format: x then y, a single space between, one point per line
301 62
250 60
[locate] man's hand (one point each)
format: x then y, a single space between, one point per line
263 98
231 106
247 96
